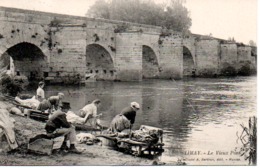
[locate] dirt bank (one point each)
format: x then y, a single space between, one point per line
97 154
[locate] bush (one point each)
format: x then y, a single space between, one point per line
245 70
11 86
228 70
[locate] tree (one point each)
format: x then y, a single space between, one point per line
174 16
99 10
252 43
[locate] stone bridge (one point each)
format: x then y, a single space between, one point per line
63 48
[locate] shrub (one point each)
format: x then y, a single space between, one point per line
228 70
11 85
245 70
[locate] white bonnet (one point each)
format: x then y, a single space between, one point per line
61 94
135 105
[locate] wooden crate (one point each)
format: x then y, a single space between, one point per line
41 146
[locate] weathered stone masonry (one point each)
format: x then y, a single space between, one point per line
214 57
63 48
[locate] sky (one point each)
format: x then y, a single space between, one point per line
221 18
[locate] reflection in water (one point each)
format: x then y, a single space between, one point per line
197 114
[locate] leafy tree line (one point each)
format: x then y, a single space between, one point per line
172 16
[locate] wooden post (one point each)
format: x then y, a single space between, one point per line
139 150
252 139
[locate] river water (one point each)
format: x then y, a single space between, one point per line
201 117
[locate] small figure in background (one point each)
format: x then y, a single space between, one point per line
193 72
52 103
56 101
40 92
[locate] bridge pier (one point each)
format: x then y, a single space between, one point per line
171 61
128 59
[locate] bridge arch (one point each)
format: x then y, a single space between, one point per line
25 59
9 42
99 62
150 64
188 62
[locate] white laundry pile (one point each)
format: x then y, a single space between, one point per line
73 118
87 138
32 103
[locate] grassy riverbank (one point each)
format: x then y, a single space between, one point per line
26 128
